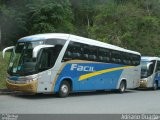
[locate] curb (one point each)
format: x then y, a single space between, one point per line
5 92
9 92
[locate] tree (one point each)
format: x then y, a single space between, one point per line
51 16
84 12
128 25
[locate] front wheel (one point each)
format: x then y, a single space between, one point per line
155 85
64 89
122 87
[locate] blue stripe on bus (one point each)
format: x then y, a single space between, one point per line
107 80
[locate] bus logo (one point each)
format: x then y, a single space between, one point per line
82 68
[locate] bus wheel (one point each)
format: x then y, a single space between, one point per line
122 87
64 89
155 85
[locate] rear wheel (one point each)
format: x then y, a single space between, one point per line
122 87
64 89
155 85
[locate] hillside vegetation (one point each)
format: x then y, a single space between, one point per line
3 69
132 24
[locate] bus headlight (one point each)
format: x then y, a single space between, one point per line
143 83
29 81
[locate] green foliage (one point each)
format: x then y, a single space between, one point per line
50 17
21 18
130 25
3 69
84 12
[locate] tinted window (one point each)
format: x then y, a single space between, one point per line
135 59
58 45
116 57
92 53
104 55
47 58
74 51
79 51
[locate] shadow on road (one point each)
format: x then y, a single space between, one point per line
79 94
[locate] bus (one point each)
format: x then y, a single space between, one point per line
63 63
150 72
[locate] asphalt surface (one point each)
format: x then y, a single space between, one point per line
133 101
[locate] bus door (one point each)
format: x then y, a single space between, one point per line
46 62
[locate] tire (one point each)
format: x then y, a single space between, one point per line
122 87
155 85
64 89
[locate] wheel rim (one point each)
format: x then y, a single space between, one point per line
64 89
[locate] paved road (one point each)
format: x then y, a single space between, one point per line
133 101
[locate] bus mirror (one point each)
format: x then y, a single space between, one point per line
5 49
38 48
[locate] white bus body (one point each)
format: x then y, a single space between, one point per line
63 63
150 72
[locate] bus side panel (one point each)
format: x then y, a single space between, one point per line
107 81
132 76
90 76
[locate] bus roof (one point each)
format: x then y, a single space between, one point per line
44 37
75 39
149 58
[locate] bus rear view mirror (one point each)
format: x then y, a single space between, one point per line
5 49
38 48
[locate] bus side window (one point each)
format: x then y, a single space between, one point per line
67 56
135 59
103 55
116 57
85 50
92 53
132 59
125 58
73 52
76 51
129 59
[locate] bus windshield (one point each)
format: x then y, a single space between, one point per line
21 61
147 68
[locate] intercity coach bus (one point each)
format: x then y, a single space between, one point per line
63 63
150 72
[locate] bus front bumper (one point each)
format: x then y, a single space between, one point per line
143 84
27 87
